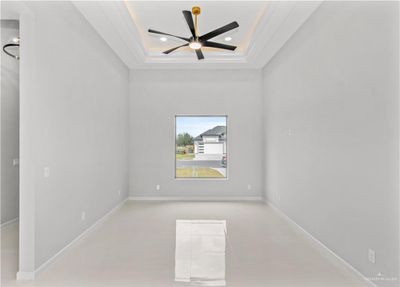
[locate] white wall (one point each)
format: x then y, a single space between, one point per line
331 114
9 125
74 120
157 96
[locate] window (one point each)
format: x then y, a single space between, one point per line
201 147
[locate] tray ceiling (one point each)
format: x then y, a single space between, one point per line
264 28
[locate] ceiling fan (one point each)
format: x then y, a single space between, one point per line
195 41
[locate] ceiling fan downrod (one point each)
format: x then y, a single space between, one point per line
196 11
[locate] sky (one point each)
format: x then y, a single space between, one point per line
197 125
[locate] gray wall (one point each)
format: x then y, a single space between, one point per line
9 125
157 96
75 121
331 114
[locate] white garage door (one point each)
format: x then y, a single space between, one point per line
213 148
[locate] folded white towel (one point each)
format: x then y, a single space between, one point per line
200 252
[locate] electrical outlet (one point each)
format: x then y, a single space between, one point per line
249 187
290 132
83 215
46 172
371 255
119 192
158 187
15 161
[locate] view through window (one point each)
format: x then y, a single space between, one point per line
201 146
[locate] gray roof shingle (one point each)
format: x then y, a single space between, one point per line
215 131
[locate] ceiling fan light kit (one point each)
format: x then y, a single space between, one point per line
196 42
195 45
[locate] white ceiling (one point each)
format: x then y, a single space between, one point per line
264 27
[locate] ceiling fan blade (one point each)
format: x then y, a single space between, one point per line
173 49
189 21
162 33
218 45
219 31
199 54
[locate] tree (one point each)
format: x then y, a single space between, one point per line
184 139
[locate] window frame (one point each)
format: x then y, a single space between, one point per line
227 146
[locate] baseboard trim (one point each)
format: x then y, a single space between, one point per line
197 198
321 246
9 222
21 275
32 275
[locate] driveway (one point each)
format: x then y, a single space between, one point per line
198 163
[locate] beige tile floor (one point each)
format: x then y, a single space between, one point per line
135 247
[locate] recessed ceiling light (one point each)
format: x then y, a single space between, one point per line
163 39
228 39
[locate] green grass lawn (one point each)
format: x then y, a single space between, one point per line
185 156
197 172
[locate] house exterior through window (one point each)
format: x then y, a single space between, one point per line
201 146
211 145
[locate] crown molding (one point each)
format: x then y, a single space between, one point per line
114 22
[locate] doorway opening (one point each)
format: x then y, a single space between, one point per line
9 103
